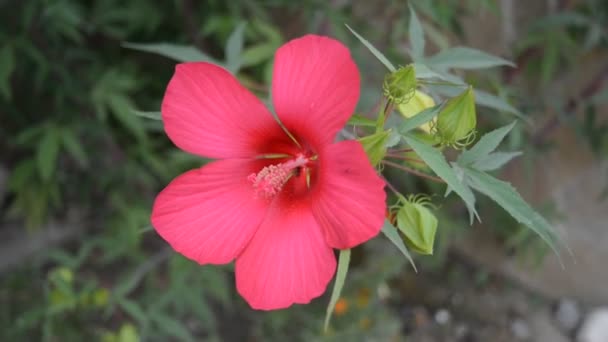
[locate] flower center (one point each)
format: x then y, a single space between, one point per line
270 180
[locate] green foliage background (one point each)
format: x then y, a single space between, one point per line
80 159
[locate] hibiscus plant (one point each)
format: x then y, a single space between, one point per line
299 175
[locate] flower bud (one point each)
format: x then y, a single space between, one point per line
418 225
456 122
419 102
400 85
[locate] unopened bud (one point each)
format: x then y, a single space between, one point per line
457 120
400 85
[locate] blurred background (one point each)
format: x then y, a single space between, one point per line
80 166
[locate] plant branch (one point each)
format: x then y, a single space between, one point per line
412 171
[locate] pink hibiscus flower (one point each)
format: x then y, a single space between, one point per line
276 203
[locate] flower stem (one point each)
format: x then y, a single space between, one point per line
412 171
400 157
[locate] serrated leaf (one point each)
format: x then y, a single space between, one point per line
494 161
436 161
511 201
416 35
465 58
47 152
419 119
488 143
482 98
7 66
180 53
234 48
148 115
391 233
358 120
343 263
486 99
374 51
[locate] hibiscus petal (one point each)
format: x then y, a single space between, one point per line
286 262
207 112
349 198
315 87
210 214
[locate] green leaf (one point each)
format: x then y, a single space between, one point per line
148 115
482 98
486 99
7 66
180 53
374 51
133 309
234 48
258 54
494 161
74 147
509 199
121 107
488 143
416 35
419 119
391 233
466 58
343 263
358 120
172 326
47 152
436 161
375 146
418 225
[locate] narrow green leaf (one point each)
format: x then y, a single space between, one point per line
509 199
486 99
7 65
47 152
234 48
494 161
258 54
419 119
436 161
358 120
374 51
343 263
172 326
391 233
121 107
133 309
488 143
180 53
74 147
416 35
147 115
466 58
482 98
